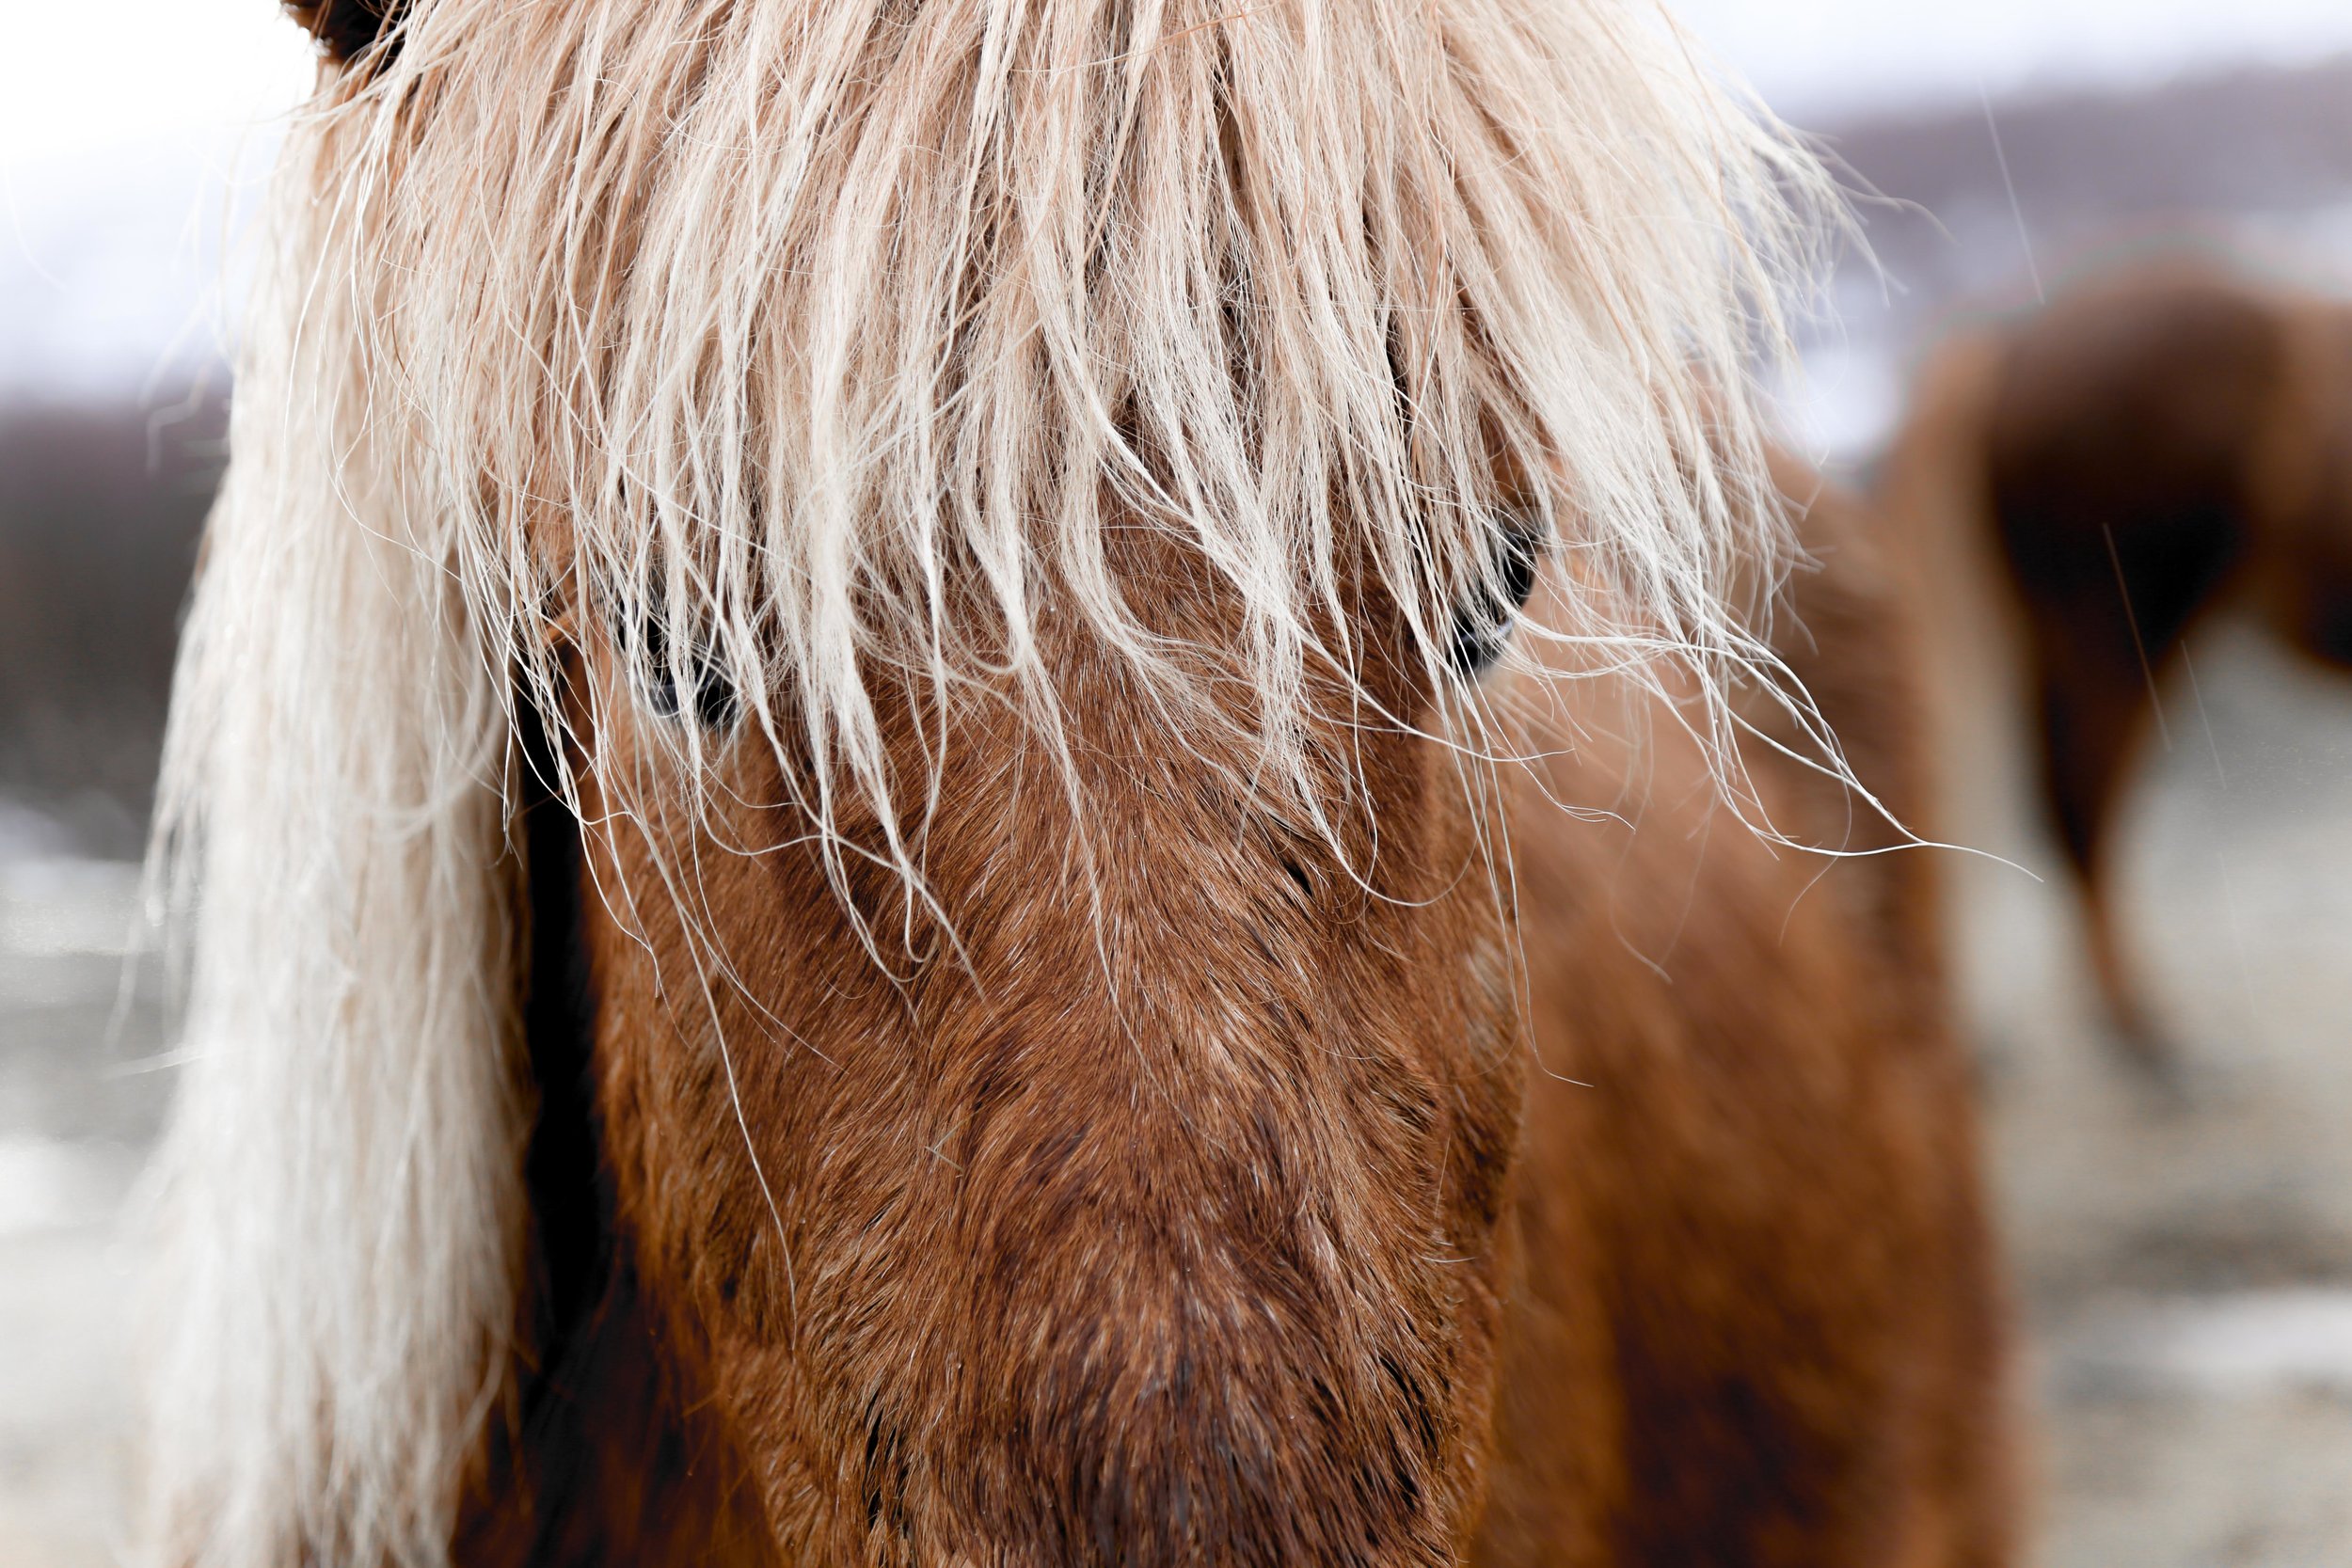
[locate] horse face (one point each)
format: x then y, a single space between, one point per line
1100 1155
1126 1189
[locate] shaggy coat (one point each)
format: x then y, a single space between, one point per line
988 784
1680 1162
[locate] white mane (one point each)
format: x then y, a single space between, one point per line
778 324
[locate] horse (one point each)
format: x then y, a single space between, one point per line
2162 442
1002 782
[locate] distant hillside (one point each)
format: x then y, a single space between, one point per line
2094 171
99 513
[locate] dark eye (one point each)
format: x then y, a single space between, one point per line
346 28
671 686
1482 623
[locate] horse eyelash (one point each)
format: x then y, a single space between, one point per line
643 643
1484 621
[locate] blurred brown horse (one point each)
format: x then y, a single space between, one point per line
2152 446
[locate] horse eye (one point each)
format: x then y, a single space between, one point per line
706 692
1481 623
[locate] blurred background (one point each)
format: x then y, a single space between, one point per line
2184 1258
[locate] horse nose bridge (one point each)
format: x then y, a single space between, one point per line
1148 1411
1187 1325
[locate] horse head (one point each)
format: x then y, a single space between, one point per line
836 751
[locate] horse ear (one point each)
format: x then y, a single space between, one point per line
346 28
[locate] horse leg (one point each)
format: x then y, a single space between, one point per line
2096 701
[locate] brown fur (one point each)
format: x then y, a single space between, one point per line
2146 447
1758 1322
1196 1209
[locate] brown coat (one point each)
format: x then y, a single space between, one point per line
1240 1198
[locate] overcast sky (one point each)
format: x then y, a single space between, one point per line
78 74
81 74
1818 59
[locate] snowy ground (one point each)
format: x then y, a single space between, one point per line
79 1102
2185 1267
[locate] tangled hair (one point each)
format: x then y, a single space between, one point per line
825 338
